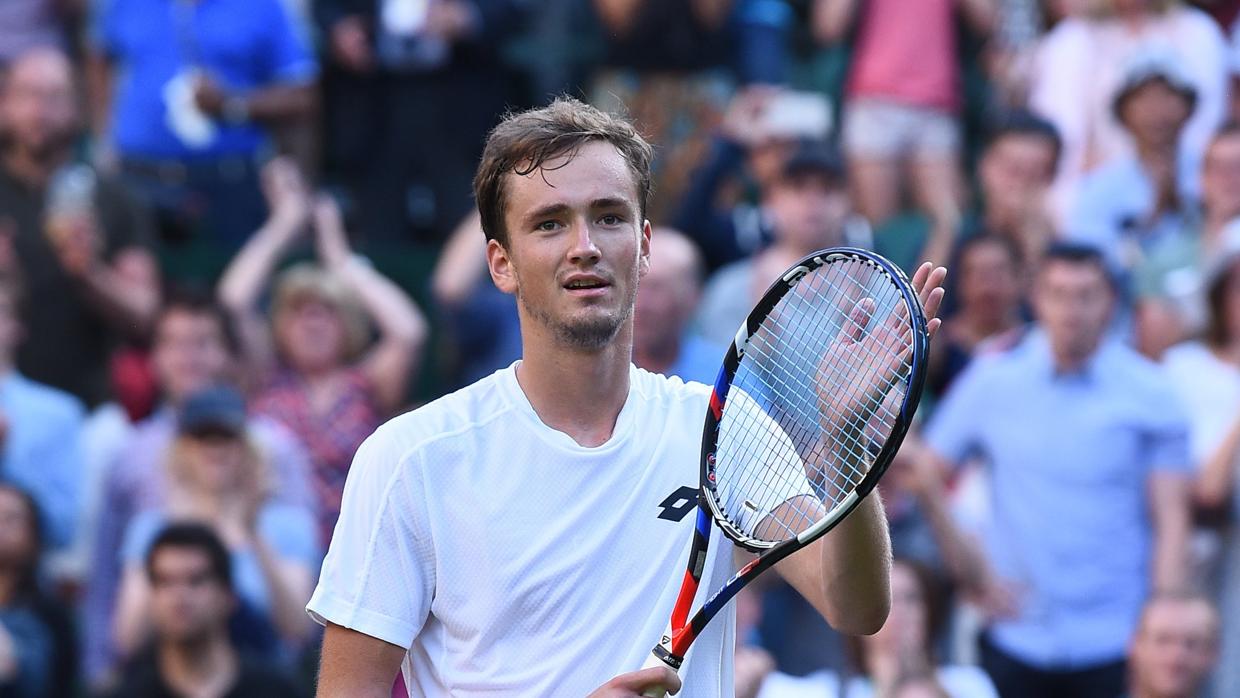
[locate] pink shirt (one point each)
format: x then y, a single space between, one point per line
906 52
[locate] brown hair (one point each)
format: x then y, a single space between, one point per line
523 142
309 281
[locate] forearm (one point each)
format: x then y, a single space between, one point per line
281 102
246 276
855 560
398 318
1212 488
127 306
287 597
1170 513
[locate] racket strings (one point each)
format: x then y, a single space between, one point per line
782 462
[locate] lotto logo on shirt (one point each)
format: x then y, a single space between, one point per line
678 503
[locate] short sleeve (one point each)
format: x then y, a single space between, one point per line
1165 442
378 576
288 56
953 429
139 536
290 531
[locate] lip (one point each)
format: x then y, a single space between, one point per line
586 292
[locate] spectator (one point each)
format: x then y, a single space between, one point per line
751 135
902 104
989 297
1076 428
1135 202
190 574
78 240
886 659
28 24
1170 283
194 348
666 299
1014 172
37 652
40 430
1207 376
1174 648
383 67
184 96
1081 66
808 206
218 477
316 374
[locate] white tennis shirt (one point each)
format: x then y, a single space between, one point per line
511 561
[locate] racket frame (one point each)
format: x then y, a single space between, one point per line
683 630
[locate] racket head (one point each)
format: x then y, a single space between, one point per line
773 395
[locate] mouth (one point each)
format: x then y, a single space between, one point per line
586 285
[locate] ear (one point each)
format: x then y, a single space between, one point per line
643 253
499 264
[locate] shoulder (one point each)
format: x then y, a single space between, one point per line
1191 19
1138 374
1069 36
1188 355
48 402
656 389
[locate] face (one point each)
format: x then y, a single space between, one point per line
809 211
216 461
905 629
1154 114
669 292
37 104
311 334
190 353
1175 648
187 604
989 280
1073 304
576 247
17 538
1015 170
1220 177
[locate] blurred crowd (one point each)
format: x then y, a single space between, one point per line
237 235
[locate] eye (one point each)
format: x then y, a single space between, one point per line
548 226
610 219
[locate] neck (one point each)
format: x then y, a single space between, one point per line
29 167
576 391
205 667
1152 154
1069 363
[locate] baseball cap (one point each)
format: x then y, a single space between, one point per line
1149 63
815 157
216 409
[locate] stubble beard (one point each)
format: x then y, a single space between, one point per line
591 333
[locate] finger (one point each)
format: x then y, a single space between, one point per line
930 308
934 280
932 327
859 319
920 276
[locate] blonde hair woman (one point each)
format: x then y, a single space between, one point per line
217 476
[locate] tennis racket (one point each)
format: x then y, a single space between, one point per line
811 404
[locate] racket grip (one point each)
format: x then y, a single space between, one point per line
652 660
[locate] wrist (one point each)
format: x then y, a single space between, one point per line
235 110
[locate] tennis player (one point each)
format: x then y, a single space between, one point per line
525 536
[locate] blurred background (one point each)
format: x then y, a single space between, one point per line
237 235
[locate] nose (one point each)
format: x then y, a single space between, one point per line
583 248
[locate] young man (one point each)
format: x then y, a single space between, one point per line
192 599
515 537
1175 647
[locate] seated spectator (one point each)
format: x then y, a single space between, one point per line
888 660
192 593
666 300
902 104
382 68
1081 66
40 431
317 372
1170 279
1135 202
1206 374
218 477
193 348
750 141
1014 173
1174 648
1076 428
989 299
38 655
79 241
808 206
184 100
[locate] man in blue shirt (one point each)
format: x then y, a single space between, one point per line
1087 458
185 91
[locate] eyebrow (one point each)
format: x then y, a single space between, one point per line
561 207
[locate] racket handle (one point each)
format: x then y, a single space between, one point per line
655 691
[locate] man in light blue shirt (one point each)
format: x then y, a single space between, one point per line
1086 450
40 433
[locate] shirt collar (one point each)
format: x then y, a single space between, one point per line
1038 347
